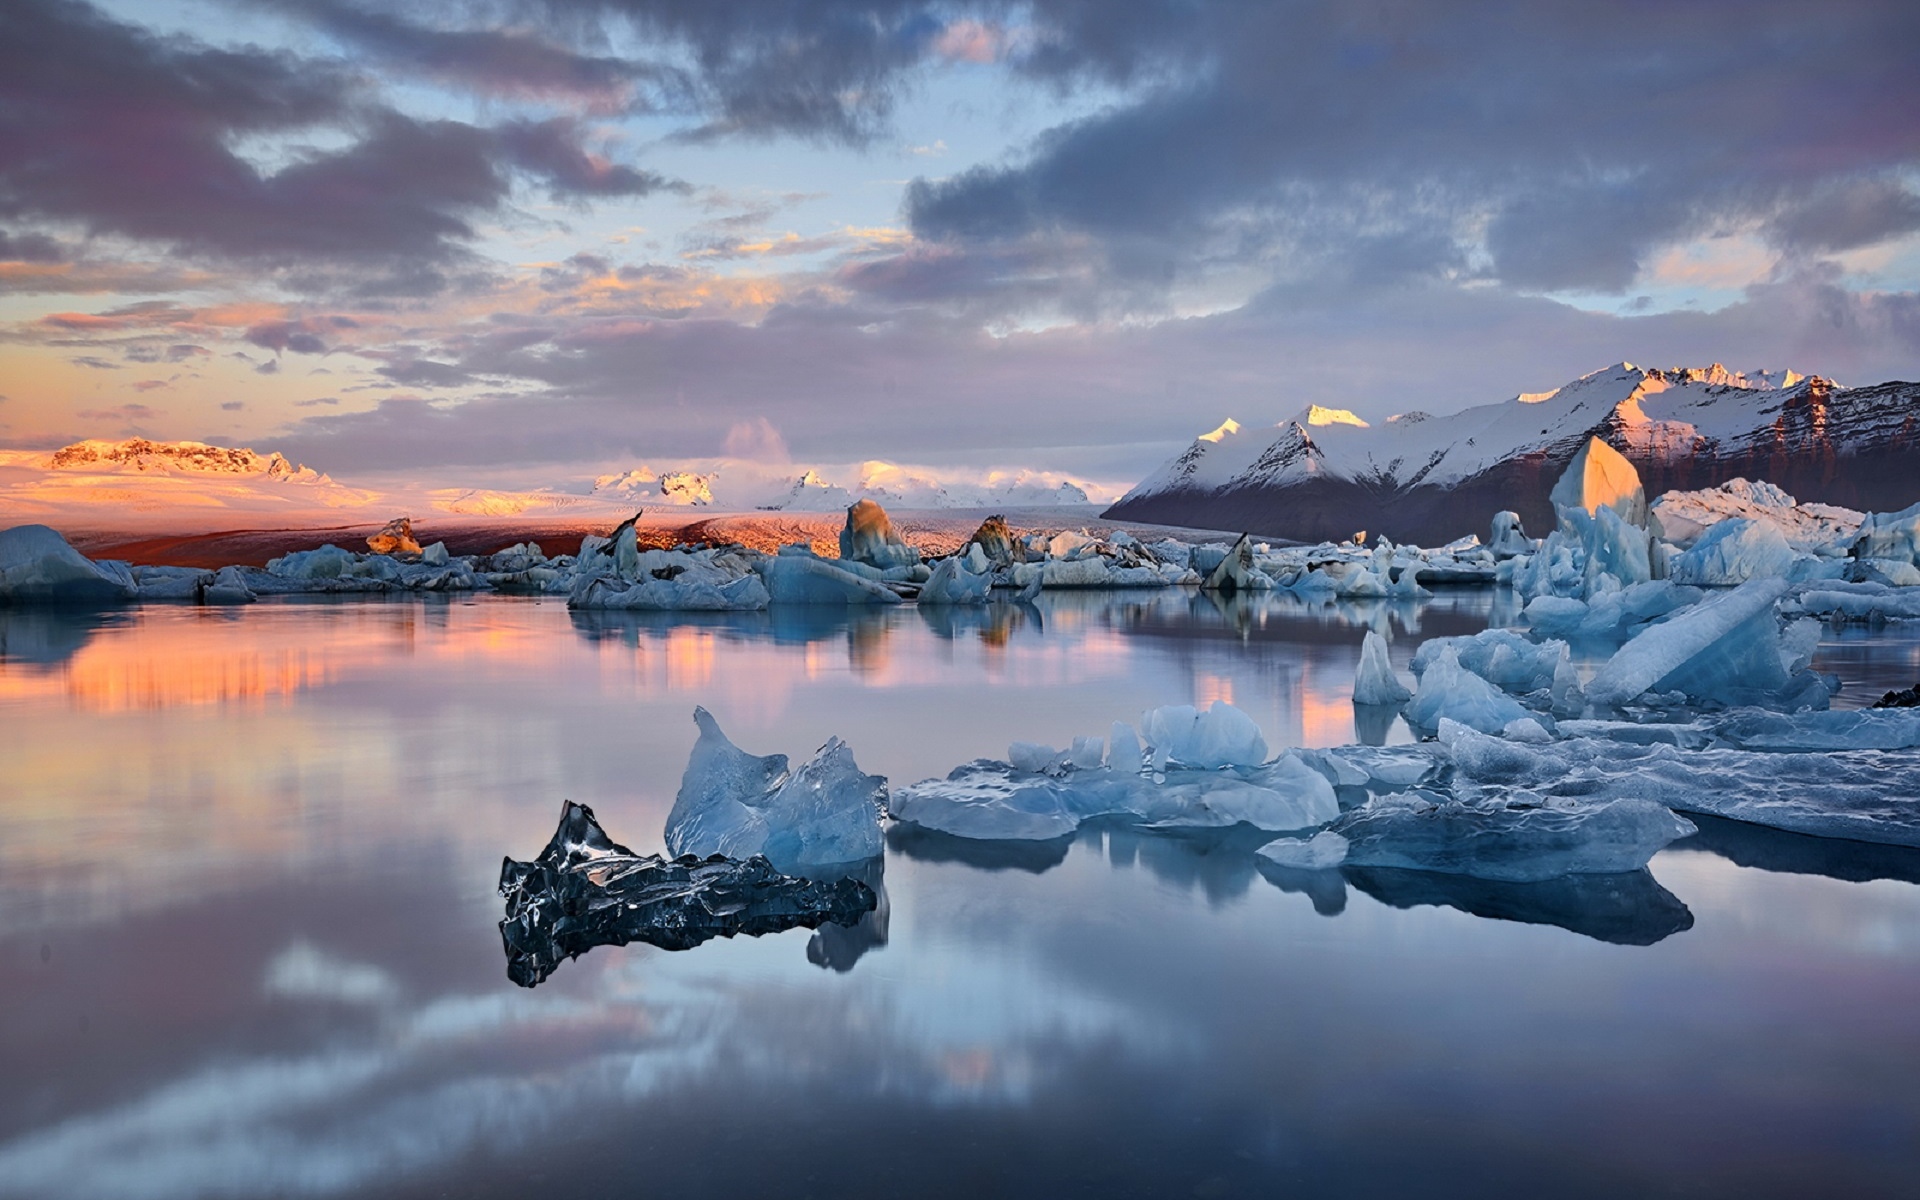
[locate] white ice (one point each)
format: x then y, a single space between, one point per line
1221 736
1374 681
803 579
1318 853
1450 690
38 566
1732 552
825 814
1725 648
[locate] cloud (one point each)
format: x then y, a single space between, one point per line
756 440
95 362
124 412
233 406
124 133
1562 145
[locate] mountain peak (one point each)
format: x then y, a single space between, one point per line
1316 415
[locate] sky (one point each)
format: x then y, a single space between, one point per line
536 239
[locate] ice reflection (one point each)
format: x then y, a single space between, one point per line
43 637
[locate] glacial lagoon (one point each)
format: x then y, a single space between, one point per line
249 936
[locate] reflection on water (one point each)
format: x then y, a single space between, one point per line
248 937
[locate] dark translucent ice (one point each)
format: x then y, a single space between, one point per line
586 890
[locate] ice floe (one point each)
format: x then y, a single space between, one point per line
586 890
821 816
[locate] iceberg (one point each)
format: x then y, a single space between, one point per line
1222 736
1889 535
1374 681
954 582
1599 476
1320 852
821 817
803 579
1501 657
38 566
1449 690
1523 838
991 800
869 537
1726 648
586 890
1509 539
1732 552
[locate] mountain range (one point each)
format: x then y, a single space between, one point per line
1415 477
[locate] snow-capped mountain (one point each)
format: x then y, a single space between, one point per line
139 454
897 487
641 485
1327 473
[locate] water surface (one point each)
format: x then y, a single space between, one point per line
248 945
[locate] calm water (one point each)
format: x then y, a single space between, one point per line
248 944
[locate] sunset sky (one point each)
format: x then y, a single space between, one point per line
544 237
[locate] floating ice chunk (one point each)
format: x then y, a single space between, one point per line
988 801
1087 753
794 579
228 586
1219 737
1284 794
1374 681
1066 546
1499 656
1526 729
1123 750
1449 690
1035 758
1236 572
1681 517
694 589
1734 551
1858 729
1889 535
1863 795
1078 572
171 583
738 804
869 537
954 582
586 890
1509 539
1521 839
1318 853
1860 602
1616 551
1720 649
1599 476
37 566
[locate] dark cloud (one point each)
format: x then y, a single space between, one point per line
233 406
302 336
1850 214
422 372
95 362
30 247
551 150
126 133
1578 137
494 61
